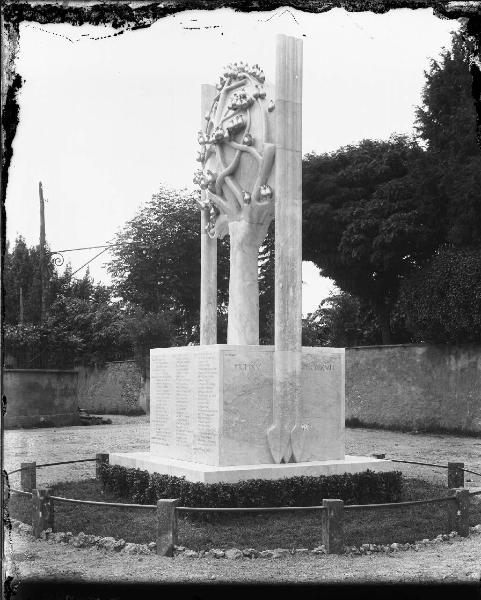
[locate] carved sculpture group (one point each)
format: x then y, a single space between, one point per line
229 126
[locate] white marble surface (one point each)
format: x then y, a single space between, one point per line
185 403
231 474
286 436
323 399
213 404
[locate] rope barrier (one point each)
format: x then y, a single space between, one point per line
64 462
471 472
399 504
192 509
248 509
20 492
67 462
94 503
412 462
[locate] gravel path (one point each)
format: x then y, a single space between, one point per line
129 434
51 444
458 561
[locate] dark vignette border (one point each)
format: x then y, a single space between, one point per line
124 16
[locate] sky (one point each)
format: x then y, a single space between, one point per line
104 122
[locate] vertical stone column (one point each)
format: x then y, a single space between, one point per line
208 253
286 436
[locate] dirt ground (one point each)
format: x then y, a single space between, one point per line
458 561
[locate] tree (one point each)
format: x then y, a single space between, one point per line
82 323
378 212
99 326
442 301
156 264
237 154
446 123
369 219
22 272
148 330
340 320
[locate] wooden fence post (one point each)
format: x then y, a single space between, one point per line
28 476
458 511
332 526
166 527
455 475
42 511
100 461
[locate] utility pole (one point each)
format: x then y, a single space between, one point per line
43 279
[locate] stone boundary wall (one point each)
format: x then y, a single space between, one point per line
415 387
115 388
40 397
407 386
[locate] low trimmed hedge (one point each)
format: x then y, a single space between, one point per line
141 487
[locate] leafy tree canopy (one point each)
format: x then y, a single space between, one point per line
82 322
22 272
156 265
442 302
365 225
446 123
376 213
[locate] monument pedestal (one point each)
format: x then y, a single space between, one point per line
211 407
231 474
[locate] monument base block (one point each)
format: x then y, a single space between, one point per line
213 405
231 474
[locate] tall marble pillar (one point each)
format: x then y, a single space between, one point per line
286 435
208 252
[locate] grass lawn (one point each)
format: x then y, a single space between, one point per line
262 531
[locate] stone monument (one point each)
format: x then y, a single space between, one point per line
227 412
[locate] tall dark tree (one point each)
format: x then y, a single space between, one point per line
446 123
369 219
442 302
22 272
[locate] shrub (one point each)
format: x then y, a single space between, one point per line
141 487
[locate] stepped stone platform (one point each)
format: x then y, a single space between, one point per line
232 474
211 407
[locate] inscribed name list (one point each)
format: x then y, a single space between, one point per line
185 405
